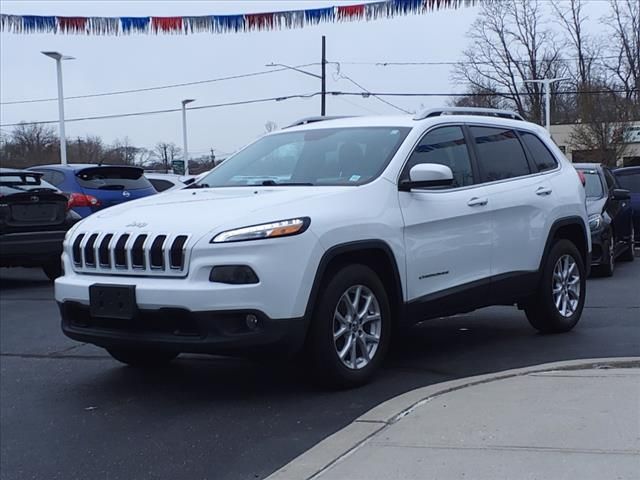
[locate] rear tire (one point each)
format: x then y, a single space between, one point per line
53 269
558 303
350 329
143 358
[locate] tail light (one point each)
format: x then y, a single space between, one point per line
582 178
82 200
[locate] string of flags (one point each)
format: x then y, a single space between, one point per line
30 24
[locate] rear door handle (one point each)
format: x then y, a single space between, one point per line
543 191
477 202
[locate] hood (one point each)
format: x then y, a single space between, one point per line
199 211
595 205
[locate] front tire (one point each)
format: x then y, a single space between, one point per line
558 304
142 358
628 254
609 258
351 326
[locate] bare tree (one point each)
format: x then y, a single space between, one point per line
510 43
166 152
624 25
30 144
270 126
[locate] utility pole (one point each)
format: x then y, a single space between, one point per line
546 83
323 97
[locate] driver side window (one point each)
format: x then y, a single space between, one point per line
444 146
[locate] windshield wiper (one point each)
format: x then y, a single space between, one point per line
197 185
269 183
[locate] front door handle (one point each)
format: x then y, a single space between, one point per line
477 202
543 191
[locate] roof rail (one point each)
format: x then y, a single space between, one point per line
487 112
306 120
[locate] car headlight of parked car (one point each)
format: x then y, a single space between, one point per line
280 228
595 221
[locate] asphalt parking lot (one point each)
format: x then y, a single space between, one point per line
68 411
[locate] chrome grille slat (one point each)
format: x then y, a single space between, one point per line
155 254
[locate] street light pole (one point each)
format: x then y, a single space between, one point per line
58 57
184 134
546 83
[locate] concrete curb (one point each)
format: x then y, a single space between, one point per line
322 456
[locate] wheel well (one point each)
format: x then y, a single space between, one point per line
574 233
380 260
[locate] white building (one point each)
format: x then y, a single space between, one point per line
561 134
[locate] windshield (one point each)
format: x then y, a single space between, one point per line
630 182
332 156
593 187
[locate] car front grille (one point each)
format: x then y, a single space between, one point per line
130 253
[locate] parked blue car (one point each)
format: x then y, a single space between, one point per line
94 187
629 179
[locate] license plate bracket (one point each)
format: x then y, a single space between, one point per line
113 301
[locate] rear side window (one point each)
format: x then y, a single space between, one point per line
444 146
113 178
53 177
542 157
161 185
500 153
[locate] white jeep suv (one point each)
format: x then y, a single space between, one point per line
326 236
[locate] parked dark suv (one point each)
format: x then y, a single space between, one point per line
610 218
34 218
629 179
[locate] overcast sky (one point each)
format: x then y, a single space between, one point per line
127 62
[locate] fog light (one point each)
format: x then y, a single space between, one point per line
252 321
233 274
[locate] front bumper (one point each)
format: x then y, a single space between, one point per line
31 248
180 330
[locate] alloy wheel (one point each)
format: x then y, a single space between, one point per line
357 326
566 285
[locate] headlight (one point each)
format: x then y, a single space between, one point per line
595 221
281 228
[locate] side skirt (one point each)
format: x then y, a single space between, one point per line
505 289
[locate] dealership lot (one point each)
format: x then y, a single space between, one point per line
69 411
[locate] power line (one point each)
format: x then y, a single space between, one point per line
347 77
453 94
168 110
159 87
310 95
463 62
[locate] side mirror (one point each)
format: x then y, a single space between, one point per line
621 194
426 175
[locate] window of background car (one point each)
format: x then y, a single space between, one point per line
444 146
53 177
630 182
542 157
10 184
500 153
593 186
160 185
332 156
113 178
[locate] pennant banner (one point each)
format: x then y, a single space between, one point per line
222 23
